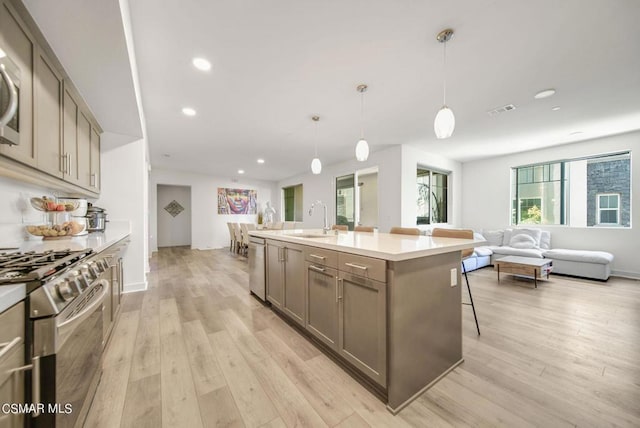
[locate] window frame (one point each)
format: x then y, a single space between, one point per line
447 194
599 209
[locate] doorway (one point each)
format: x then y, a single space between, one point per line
174 216
357 198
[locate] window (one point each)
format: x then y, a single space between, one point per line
432 196
345 200
292 197
608 209
583 192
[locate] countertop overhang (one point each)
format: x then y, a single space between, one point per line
386 246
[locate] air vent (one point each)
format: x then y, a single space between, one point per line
502 109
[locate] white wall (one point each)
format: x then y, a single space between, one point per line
208 228
486 195
123 195
174 231
323 186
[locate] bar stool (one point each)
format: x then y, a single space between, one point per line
363 229
339 227
461 234
405 230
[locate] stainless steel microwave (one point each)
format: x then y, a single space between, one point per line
9 100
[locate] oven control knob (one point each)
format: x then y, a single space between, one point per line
65 290
86 272
93 268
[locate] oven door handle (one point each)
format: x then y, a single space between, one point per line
89 309
13 98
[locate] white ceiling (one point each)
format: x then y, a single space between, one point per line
276 63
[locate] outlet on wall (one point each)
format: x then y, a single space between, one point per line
454 277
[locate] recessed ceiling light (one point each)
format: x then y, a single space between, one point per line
576 133
241 171
188 111
201 64
544 94
260 161
556 108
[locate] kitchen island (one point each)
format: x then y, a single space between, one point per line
386 307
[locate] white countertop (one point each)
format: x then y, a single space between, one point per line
97 241
385 246
11 294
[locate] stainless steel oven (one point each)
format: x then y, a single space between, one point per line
9 100
70 349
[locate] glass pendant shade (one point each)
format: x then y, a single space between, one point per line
445 123
362 150
316 166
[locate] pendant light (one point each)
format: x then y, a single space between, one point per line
445 121
316 165
362 148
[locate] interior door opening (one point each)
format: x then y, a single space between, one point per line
174 216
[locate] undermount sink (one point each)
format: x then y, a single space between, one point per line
308 235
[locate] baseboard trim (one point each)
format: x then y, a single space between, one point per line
623 274
133 287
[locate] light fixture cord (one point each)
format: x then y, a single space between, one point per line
316 139
444 79
362 115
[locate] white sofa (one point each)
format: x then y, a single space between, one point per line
537 243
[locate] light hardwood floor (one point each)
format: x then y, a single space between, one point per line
197 350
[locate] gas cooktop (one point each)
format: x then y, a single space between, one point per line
36 266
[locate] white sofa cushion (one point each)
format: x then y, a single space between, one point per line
482 251
522 240
583 256
545 240
524 252
506 237
493 237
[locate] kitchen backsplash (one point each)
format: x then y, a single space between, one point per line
17 211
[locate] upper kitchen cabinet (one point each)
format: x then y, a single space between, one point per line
48 117
19 44
59 138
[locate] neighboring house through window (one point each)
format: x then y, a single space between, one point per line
608 209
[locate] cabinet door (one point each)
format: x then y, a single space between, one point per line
322 303
19 45
294 292
48 116
70 139
95 160
275 274
84 151
362 325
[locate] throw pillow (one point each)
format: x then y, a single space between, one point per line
545 240
493 237
507 237
522 241
534 233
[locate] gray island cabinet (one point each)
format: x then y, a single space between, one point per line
386 307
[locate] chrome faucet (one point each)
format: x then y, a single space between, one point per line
326 227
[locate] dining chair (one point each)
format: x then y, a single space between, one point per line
363 229
339 227
405 230
232 236
238 236
244 229
460 234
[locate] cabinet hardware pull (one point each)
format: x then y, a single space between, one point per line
353 265
316 268
340 285
337 279
35 381
64 163
69 163
317 257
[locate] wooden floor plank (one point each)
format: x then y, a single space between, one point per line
143 405
218 409
255 406
205 371
179 400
